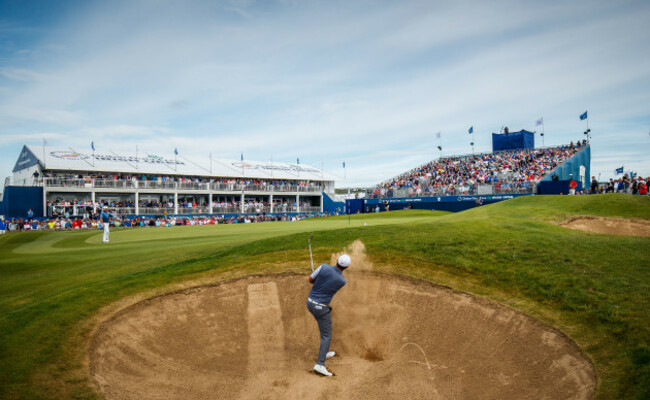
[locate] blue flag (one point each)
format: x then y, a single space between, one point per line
176 151
583 116
297 161
242 156
471 130
92 145
343 164
619 171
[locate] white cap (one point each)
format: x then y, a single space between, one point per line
344 261
105 207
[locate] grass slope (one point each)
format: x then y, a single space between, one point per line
593 287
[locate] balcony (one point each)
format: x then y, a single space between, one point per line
133 185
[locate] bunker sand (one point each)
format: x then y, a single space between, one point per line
253 338
610 226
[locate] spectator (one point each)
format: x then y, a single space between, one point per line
594 185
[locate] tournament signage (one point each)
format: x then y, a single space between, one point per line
294 168
150 159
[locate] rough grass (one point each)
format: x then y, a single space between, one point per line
593 287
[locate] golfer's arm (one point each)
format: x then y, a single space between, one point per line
313 275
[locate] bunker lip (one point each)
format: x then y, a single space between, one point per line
609 225
252 336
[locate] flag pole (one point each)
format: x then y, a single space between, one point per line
543 132
210 162
473 140
136 156
43 153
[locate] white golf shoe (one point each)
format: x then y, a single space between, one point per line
330 354
320 369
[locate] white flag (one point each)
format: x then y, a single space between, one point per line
539 121
438 135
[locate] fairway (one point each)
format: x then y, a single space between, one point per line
57 288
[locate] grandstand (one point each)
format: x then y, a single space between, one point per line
473 179
57 181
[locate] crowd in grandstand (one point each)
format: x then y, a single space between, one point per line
508 172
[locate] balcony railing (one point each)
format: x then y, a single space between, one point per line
132 184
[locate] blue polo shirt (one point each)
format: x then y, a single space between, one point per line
327 281
104 217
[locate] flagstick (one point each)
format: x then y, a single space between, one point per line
210 162
136 156
43 153
543 132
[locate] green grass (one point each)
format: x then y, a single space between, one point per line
596 288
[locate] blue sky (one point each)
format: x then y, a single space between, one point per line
365 82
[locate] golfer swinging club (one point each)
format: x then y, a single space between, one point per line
326 280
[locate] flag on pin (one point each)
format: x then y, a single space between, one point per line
176 151
583 116
92 145
471 130
343 164
438 135
539 122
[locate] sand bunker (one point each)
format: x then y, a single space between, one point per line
610 226
254 339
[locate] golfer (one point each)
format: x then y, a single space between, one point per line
105 217
326 281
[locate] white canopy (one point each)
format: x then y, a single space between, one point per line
68 159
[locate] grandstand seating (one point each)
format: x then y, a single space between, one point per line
498 172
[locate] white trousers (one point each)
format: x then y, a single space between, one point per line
105 237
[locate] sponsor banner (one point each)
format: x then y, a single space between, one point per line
149 159
445 199
269 167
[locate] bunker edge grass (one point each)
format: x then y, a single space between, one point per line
593 287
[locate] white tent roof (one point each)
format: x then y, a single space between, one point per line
67 159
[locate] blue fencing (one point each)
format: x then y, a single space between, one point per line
19 199
443 203
556 187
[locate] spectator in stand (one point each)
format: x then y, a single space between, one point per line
594 186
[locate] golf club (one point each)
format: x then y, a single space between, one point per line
311 257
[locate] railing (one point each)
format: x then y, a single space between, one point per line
114 184
193 210
157 184
462 190
226 210
156 210
309 209
123 211
287 209
255 209
172 185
